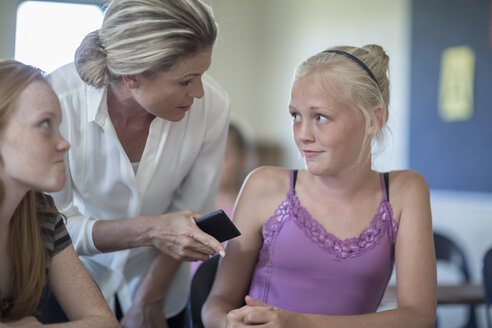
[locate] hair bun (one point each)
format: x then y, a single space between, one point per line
377 51
91 61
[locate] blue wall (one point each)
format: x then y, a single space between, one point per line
451 155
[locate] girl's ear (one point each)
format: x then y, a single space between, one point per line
379 119
131 81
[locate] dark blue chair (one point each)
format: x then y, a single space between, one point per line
447 250
49 311
200 288
487 282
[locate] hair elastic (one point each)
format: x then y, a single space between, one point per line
357 60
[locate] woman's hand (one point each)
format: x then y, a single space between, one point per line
147 309
141 315
258 314
177 235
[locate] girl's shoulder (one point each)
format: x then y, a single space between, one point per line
268 180
263 190
403 181
408 189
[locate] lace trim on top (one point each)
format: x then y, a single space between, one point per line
341 249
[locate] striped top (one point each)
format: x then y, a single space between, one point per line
53 231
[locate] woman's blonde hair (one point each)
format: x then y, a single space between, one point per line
144 36
365 74
26 248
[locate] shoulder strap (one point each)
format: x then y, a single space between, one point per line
294 179
386 185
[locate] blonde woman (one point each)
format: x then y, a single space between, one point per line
318 244
148 130
35 248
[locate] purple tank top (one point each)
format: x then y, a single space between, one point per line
303 268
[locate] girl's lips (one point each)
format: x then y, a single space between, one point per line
184 108
310 153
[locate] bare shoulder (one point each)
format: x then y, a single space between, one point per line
267 181
409 192
263 191
405 181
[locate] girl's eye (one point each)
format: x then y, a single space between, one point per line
321 119
295 116
45 124
185 83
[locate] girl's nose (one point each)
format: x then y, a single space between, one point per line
63 145
305 133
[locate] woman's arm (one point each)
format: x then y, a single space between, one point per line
415 271
77 293
148 303
175 234
262 192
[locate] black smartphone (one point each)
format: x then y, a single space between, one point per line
218 225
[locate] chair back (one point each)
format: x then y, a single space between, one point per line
200 288
487 282
447 250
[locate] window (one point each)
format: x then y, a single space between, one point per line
48 33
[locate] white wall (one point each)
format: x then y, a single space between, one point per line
8 10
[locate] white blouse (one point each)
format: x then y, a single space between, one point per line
179 169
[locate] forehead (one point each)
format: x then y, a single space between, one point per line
196 64
317 88
37 97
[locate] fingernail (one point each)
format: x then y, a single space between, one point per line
222 253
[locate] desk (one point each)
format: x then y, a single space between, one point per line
446 294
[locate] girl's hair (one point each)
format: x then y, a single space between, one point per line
144 36
26 248
363 91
